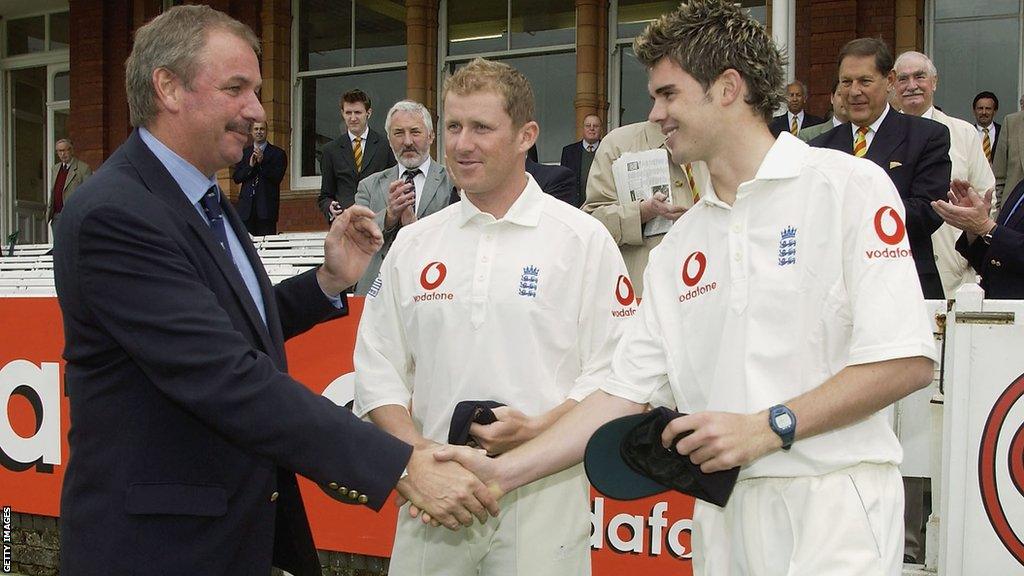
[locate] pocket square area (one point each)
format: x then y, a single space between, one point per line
895 165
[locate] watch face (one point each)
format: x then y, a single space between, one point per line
783 421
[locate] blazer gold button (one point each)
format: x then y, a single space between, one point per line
342 490
363 499
333 485
996 263
273 497
679 183
353 494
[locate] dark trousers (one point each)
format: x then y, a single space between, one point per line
261 227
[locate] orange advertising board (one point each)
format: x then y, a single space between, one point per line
650 535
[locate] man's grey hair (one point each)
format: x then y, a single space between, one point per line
174 41
409 106
67 140
929 65
800 83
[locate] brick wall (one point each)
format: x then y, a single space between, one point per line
35 551
301 214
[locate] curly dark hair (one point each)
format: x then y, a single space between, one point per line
708 37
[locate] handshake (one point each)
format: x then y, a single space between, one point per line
451 484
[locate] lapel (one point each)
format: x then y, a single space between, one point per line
160 183
890 134
1008 205
369 149
1018 134
431 187
347 154
72 170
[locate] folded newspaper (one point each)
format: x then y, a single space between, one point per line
638 176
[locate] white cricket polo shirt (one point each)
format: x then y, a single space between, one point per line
525 310
751 305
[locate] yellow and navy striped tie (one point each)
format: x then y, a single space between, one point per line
860 143
357 152
794 128
986 145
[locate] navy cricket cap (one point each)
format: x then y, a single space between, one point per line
625 460
465 414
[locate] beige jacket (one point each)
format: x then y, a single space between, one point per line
1008 158
623 220
970 164
78 171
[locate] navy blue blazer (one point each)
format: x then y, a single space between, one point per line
260 196
780 124
554 180
914 152
339 177
186 428
1000 265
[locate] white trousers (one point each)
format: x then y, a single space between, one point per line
543 530
845 523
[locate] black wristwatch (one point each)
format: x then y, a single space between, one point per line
783 422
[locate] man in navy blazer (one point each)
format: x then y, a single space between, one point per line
985 105
796 100
340 169
579 156
913 151
187 430
260 173
995 248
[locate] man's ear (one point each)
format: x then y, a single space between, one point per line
168 89
528 135
729 86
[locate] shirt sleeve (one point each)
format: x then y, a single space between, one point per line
886 305
602 315
639 370
383 361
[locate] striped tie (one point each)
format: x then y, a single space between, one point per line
860 144
357 152
794 128
693 183
986 145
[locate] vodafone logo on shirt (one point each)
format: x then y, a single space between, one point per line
431 277
693 271
626 296
891 230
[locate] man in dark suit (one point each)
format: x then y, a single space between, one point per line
995 248
554 180
913 151
796 118
986 104
260 173
354 155
188 430
579 156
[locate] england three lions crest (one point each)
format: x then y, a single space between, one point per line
787 247
528 282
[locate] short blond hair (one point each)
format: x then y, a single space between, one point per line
482 75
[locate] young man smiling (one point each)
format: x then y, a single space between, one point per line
767 319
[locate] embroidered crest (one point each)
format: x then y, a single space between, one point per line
375 287
787 247
528 282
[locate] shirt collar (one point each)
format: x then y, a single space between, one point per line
874 125
423 168
189 178
366 131
991 127
525 211
784 159
585 143
799 115
260 147
929 113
